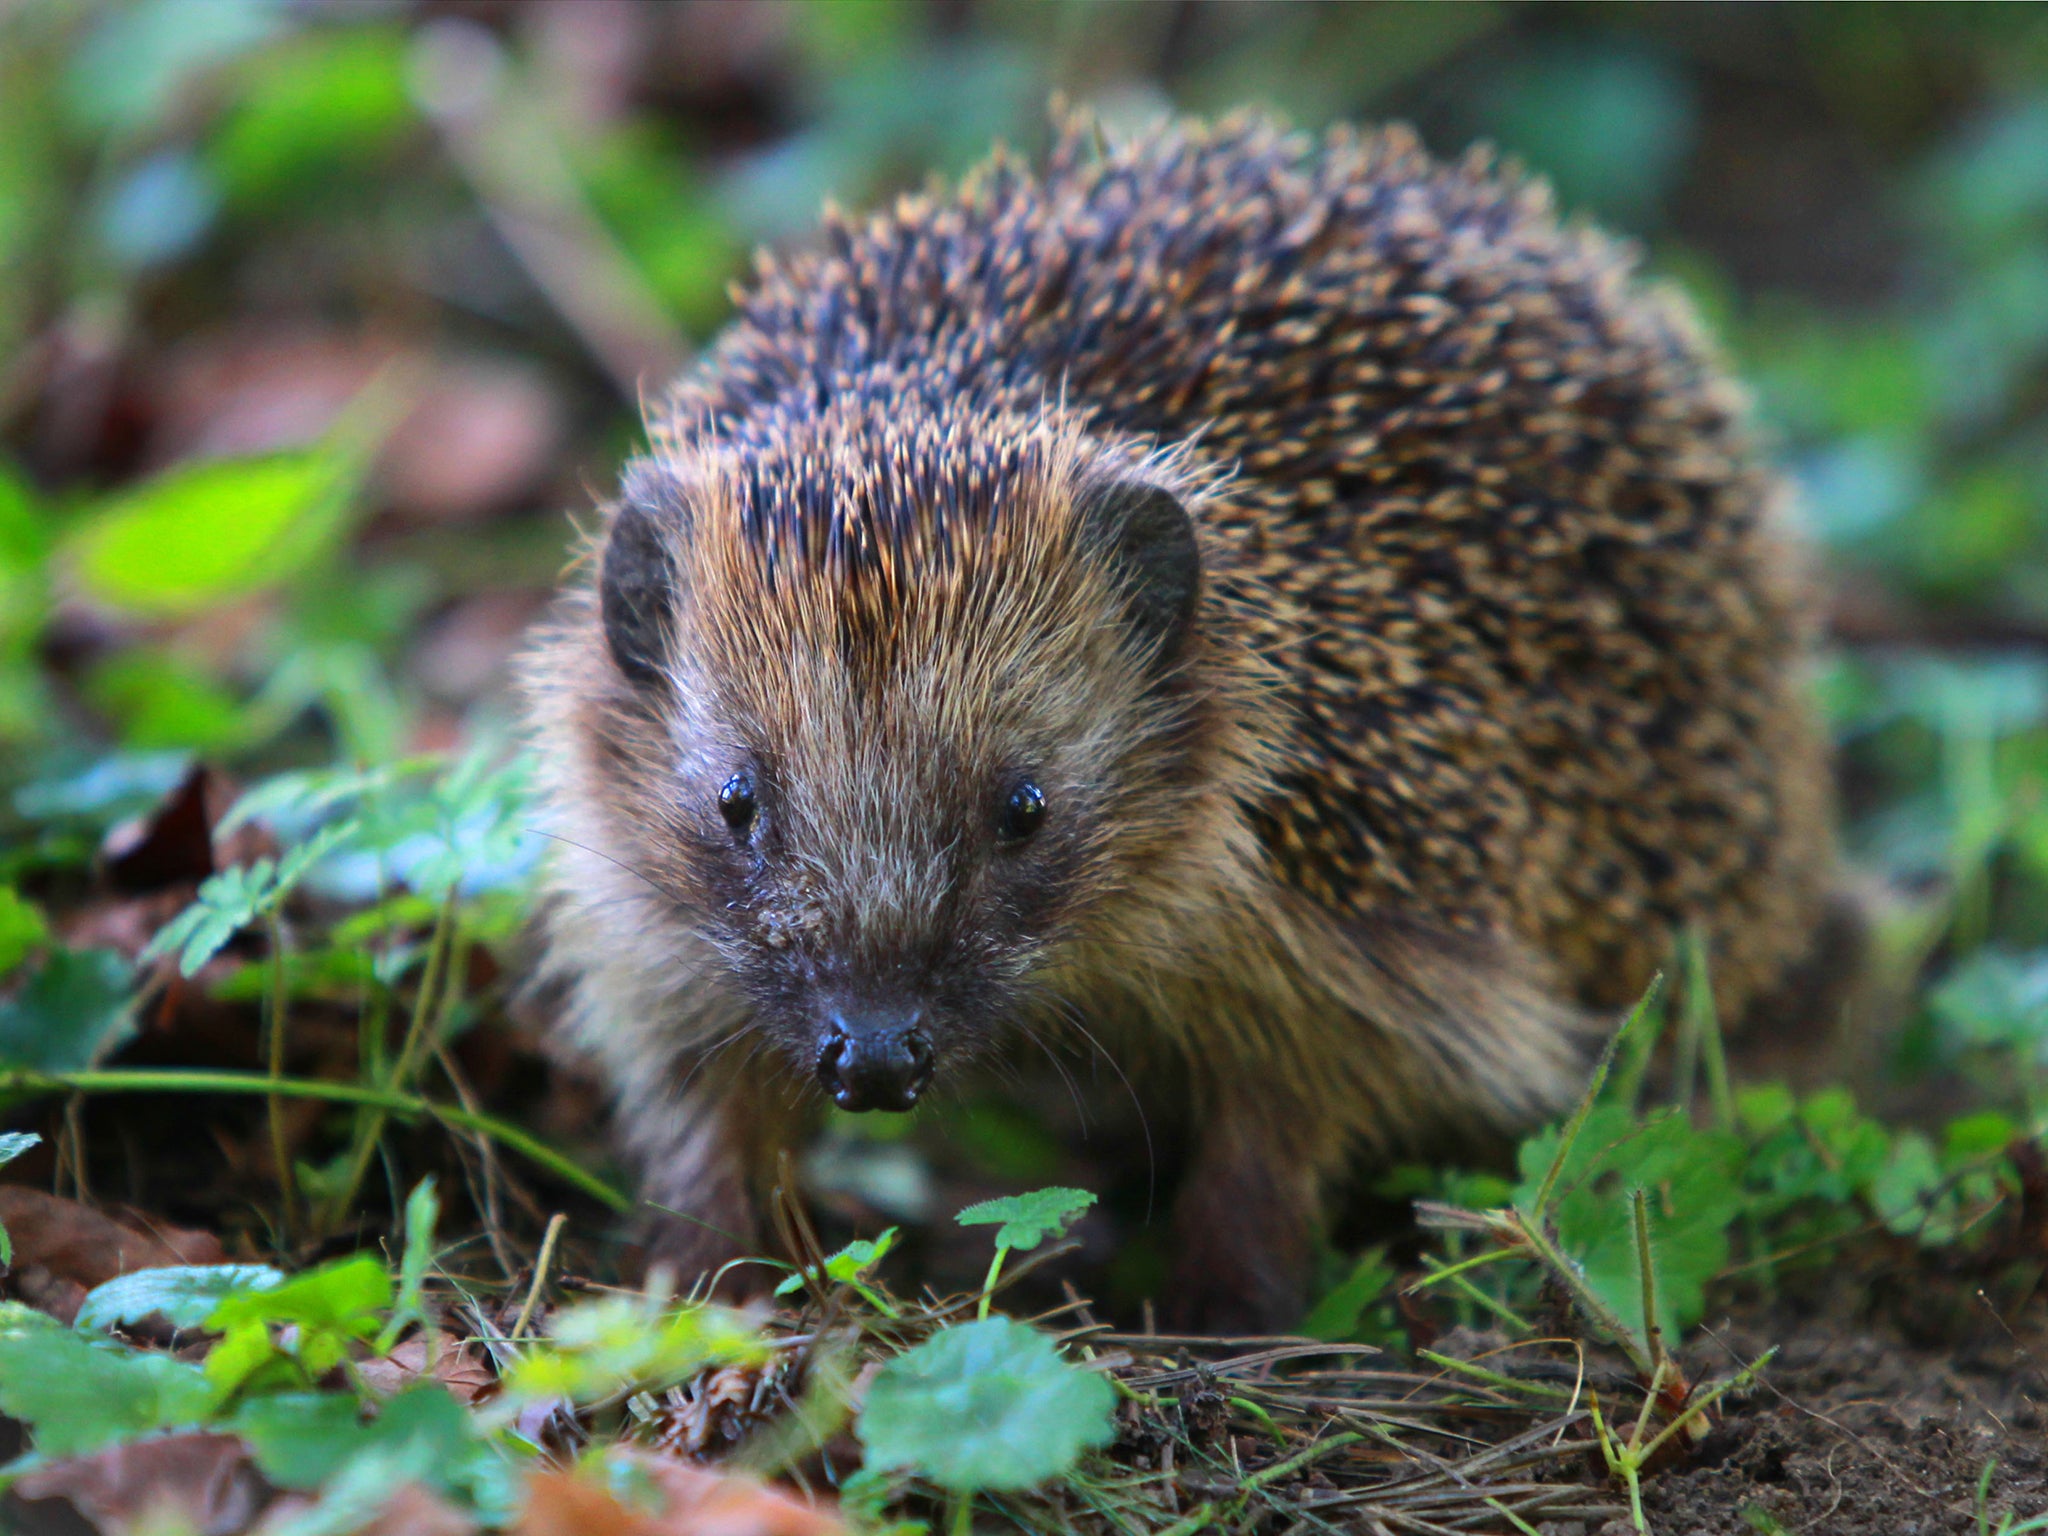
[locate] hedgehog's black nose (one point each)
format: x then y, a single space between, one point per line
874 1061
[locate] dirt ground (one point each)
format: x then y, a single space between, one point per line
1855 1429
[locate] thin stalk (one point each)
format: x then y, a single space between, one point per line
1296 1462
1441 1272
404 1105
1646 1273
371 1132
280 1141
540 1273
1596 1310
988 1286
1511 1517
1700 1006
1491 1378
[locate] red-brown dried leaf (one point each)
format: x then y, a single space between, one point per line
198 1482
62 1249
457 1366
698 1502
173 845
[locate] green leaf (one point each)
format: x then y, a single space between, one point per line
616 1344
22 929
987 1405
422 1213
186 1295
76 1007
201 534
12 1145
850 1263
1691 1181
159 701
80 1394
1341 1314
301 1439
314 1440
324 102
330 1308
236 897
1028 1219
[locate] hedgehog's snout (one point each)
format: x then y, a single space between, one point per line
874 1059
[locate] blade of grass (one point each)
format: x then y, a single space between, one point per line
405 1105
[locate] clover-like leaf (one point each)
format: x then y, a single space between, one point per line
185 1294
1028 1219
987 1405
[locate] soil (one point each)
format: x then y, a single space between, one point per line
1855 1429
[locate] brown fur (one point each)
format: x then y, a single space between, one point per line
1493 683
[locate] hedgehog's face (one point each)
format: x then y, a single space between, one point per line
911 750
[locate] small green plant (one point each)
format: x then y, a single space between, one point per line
987 1405
850 1267
1025 1222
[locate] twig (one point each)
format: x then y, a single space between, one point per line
540 1272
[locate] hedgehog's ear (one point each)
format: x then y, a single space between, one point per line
636 585
1148 540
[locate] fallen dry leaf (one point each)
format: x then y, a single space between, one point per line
699 1502
457 1367
197 1482
62 1249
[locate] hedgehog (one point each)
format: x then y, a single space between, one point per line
1294 615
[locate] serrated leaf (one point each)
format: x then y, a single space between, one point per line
236 897
79 1393
1691 1180
75 1008
850 1263
185 1294
987 1405
1028 1219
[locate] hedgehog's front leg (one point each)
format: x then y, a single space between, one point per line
706 1157
1250 1206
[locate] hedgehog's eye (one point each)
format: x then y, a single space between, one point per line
1022 813
736 802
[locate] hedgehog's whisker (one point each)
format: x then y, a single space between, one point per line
652 884
1072 1015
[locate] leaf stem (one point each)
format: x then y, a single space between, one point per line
370 1132
988 1286
406 1106
280 1142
